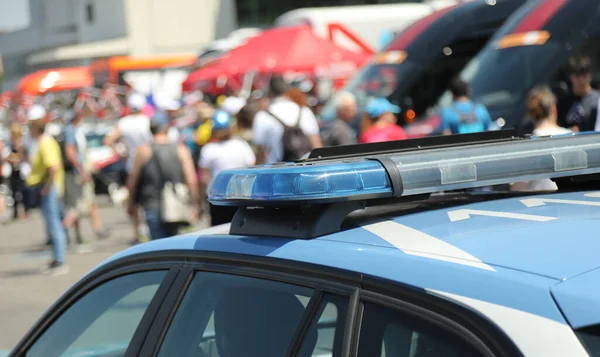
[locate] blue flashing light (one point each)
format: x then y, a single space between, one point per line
321 182
419 172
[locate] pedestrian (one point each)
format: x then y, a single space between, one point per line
170 107
583 111
134 129
297 96
541 107
285 131
78 179
155 165
339 131
382 122
224 152
3 191
463 115
233 105
47 180
204 131
20 170
192 122
245 118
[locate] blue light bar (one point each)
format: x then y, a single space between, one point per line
295 182
418 171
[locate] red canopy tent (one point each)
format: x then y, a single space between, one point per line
210 79
285 50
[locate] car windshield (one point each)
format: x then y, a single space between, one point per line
375 80
499 78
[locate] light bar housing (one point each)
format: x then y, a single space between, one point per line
409 172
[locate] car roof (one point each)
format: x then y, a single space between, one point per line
486 250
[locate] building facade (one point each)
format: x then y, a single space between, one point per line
66 33
73 32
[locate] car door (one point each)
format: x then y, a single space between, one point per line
107 314
232 305
244 312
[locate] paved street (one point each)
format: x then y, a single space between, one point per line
25 293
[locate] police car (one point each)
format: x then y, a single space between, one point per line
357 252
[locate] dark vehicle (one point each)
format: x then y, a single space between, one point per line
415 68
531 49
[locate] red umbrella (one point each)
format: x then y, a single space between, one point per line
286 50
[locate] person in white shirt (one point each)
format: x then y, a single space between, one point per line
541 107
225 152
134 129
267 131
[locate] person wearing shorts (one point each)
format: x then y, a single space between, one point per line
78 182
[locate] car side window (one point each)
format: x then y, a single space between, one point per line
103 321
226 315
387 332
325 334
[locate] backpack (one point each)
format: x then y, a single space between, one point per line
294 142
60 139
468 122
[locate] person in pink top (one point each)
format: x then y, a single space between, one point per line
383 122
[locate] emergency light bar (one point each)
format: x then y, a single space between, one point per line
408 172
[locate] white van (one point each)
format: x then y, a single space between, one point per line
369 23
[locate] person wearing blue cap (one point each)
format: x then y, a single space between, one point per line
156 165
381 123
224 152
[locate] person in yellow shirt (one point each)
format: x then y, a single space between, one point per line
47 180
204 131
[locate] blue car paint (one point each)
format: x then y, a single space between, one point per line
544 248
393 264
528 257
579 299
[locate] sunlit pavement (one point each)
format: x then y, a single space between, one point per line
25 293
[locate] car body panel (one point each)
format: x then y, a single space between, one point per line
579 299
512 242
510 260
484 257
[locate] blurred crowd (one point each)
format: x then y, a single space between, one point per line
173 149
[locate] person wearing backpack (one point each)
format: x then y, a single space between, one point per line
284 131
163 182
463 116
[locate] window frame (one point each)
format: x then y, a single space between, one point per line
94 280
182 265
477 328
470 325
420 313
230 264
